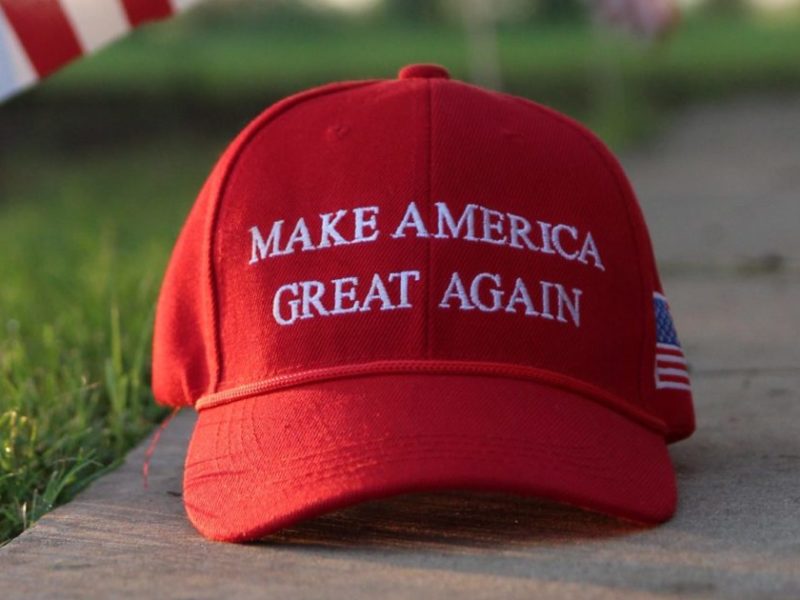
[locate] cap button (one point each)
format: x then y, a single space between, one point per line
423 71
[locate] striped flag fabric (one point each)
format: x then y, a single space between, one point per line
646 18
671 371
37 37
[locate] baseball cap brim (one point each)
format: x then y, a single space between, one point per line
263 463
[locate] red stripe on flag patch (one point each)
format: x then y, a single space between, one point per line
141 11
671 369
44 31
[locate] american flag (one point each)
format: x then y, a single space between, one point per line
37 37
671 369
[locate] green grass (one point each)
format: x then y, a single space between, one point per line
83 243
99 166
229 61
566 65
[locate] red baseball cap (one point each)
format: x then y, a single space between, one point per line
417 284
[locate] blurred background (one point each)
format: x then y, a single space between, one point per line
100 163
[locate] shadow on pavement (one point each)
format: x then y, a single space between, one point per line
452 520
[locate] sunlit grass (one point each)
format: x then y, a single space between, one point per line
83 242
86 228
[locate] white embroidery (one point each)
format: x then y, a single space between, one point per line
496 227
520 228
260 248
671 368
340 295
544 228
545 312
329 229
301 235
475 292
411 218
293 304
485 292
590 249
311 299
363 223
332 233
404 276
573 306
445 218
557 240
491 227
567 302
660 296
520 295
455 289
377 291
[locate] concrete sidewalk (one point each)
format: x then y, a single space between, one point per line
722 196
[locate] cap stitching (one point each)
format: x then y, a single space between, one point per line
280 108
416 447
429 200
578 453
625 194
240 144
612 169
354 467
433 367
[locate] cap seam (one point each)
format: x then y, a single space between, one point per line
280 108
433 367
417 447
612 169
428 194
241 143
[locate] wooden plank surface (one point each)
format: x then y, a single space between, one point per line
737 531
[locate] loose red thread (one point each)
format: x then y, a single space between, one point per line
151 447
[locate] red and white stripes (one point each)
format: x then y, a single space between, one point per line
16 70
37 37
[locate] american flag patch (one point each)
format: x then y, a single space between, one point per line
671 369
